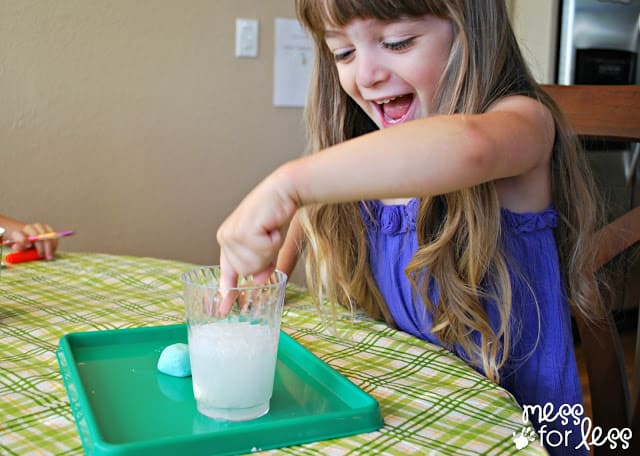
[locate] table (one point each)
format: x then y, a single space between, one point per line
432 403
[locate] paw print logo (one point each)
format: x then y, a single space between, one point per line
527 434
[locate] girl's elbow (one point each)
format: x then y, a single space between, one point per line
480 150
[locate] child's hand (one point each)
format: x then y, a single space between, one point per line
251 237
46 249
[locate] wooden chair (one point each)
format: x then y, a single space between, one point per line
609 112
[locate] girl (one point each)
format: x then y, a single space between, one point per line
447 195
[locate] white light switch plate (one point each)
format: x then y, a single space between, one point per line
246 37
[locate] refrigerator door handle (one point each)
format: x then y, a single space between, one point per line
631 164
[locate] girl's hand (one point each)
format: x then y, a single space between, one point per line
251 237
46 249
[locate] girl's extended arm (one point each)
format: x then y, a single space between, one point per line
430 156
510 144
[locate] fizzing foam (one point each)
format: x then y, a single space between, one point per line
233 367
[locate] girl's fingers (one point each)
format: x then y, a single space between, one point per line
248 254
263 277
251 237
228 281
47 248
20 241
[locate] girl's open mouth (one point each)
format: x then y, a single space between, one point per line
395 110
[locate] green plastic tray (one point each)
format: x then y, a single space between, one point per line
124 406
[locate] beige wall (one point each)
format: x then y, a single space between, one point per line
535 24
133 123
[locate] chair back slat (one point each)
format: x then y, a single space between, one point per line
612 113
617 236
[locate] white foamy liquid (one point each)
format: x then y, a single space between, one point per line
232 363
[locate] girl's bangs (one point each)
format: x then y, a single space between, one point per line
317 14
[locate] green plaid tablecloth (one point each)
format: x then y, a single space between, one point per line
431 402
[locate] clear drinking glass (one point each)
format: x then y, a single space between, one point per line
232 350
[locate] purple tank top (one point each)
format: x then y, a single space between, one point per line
541 366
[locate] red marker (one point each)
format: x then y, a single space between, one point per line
22 256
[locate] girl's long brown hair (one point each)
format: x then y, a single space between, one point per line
458 233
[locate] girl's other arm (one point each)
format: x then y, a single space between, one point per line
291 248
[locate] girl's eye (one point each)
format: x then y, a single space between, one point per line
398 45
343 55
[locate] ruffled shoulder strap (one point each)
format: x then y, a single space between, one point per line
529 222
390 219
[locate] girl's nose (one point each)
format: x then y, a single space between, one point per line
370 71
